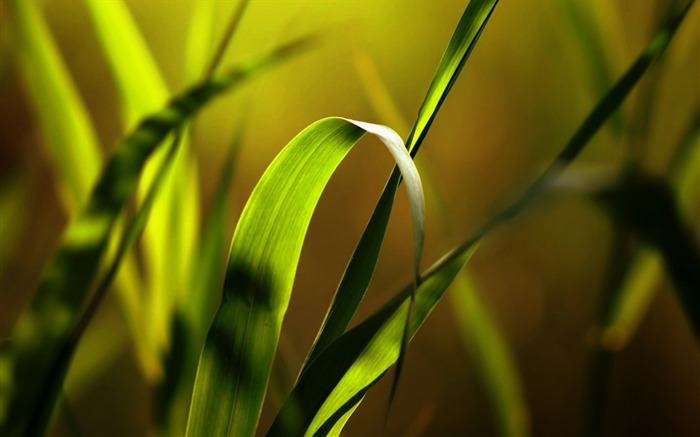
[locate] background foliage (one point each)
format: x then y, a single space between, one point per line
537 71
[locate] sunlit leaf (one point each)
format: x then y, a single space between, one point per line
235 364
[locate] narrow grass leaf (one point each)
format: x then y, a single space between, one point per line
582 18
339 377
235 364
170 234
478 330
43 329
336 380
360 268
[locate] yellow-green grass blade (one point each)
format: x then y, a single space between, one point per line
645 272
70 140
335 382
72 143
476 327
199 38
236 361
45 326
330 387
360 268
138 79
170 234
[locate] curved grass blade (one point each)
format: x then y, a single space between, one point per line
235 364
646 269
360 268
478 330
336 380
45 326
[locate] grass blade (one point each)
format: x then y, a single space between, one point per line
647 207
235 364
174 220
45 326
336 380
646 269
73 145
478 330
360 269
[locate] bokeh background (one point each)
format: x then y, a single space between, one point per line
524 91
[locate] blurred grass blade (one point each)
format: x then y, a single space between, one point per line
476 327
73 145
170 234
57 373
336 380
71 142
235 364
339 377
493 358
583 18
645 272
360 268
200 34
140 84
646 206
45 326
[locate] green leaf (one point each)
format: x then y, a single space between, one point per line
360 269
235 364
338 378
335 382
44 328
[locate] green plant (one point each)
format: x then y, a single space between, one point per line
147 192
